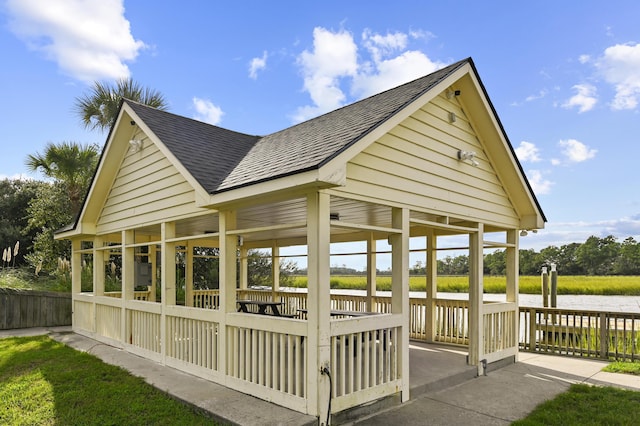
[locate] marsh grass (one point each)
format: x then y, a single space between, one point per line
595 285
587 405
43 382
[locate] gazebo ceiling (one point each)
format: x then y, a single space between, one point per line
285 220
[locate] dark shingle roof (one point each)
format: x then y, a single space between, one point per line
221 160
208 152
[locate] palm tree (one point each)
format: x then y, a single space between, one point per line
99 108
70 164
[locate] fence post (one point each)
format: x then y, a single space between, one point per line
533 324
604 336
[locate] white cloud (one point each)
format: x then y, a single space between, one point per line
89 40
206 111
334 60
575 151
584 99
528 151
538 183
583 59
620 66
257 64
334 56
389 73
541 94
562 233
383 45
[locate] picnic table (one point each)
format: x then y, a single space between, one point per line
263 306
341 313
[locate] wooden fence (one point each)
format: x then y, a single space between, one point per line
600 334
27 308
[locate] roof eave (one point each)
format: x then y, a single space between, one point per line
329 176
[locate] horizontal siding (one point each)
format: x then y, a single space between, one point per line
416 165
147 189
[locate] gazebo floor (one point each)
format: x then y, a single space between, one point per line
434 367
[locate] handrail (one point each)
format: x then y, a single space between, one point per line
581 333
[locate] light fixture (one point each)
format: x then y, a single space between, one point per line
136 145
334 216
468 155
451 93
524 233
452 117
240 241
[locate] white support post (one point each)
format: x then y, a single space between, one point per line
76 266
167 279
476 327
188 275
154 272
168 264
228 275
244 268
275 271
128 277
319 303
98 276
432 285
513 270
371 271
98 267
400 291
228 260
76 273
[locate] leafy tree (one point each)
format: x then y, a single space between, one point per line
597 255
495 263
259 269
47 212
530 262
568 260
628 261
15 196
458 265
69 164
98 109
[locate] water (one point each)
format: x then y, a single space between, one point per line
577 302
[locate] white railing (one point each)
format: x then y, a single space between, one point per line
144 329
83 315
207 299
259 353
109 319
267 356
364 359
452 321
193 341
137 295
499 332
606 335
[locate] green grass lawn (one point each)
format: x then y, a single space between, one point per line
624 367
587 405
44 382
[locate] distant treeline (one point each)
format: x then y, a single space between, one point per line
596 256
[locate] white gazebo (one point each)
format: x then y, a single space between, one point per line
423 160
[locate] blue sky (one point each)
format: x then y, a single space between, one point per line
564 77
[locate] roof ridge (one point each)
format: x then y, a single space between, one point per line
447 68
183 117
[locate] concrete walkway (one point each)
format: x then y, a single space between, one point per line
500 397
